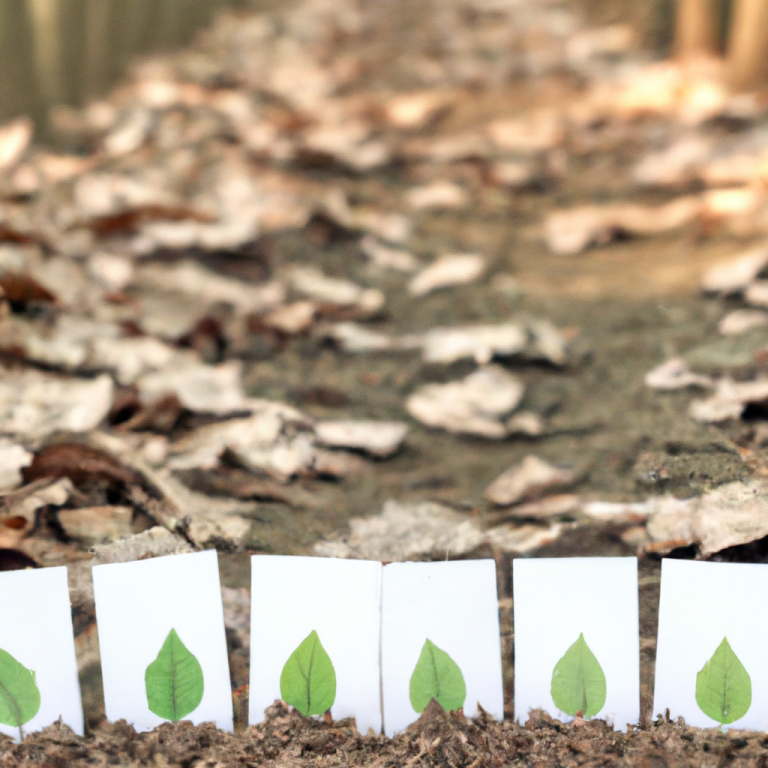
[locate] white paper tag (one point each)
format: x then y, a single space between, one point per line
36 633
158 614
440 617
712 620
330 606
577 630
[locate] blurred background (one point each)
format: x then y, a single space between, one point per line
68 51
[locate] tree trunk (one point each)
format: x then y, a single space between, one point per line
748 45
18 84
696 29
96 53
47 45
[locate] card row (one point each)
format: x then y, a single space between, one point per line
378 642
354 637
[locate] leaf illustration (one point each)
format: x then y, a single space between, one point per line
174 680
437 676
19 694
578 681
723 687
308 679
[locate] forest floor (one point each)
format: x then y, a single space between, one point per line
161 270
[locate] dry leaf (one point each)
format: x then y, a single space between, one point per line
531 478
476 405
378 438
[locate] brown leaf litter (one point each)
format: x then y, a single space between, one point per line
406 531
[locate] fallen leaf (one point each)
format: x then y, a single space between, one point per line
18 509
573 231
478 342
129 221
378 438
439 195
741 321
13 459
729 400
96 525
476 405
80 463
446 271
733 275
202 388
417 110
727 516
311 282
384 256
404 531
533 132
531 478
35 404
21 290
675 374
156 542
15 137
542 509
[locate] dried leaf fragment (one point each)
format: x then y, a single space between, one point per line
446 271
527 480
474 405
379 438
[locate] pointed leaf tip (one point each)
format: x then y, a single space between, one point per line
578 681
19 694
723 686
437 676
174 680
308 679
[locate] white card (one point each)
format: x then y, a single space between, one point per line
36 630
556 602
702 603
291 597
137 606
454 605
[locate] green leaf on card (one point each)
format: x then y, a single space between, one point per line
19 694
578 681
308 679
723 687
437 676
174 680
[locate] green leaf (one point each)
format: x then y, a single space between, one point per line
19 694
437 676
308 679
578 681
174 680
723 687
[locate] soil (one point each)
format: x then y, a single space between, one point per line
437 739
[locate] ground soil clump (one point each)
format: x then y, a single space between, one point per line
287 739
